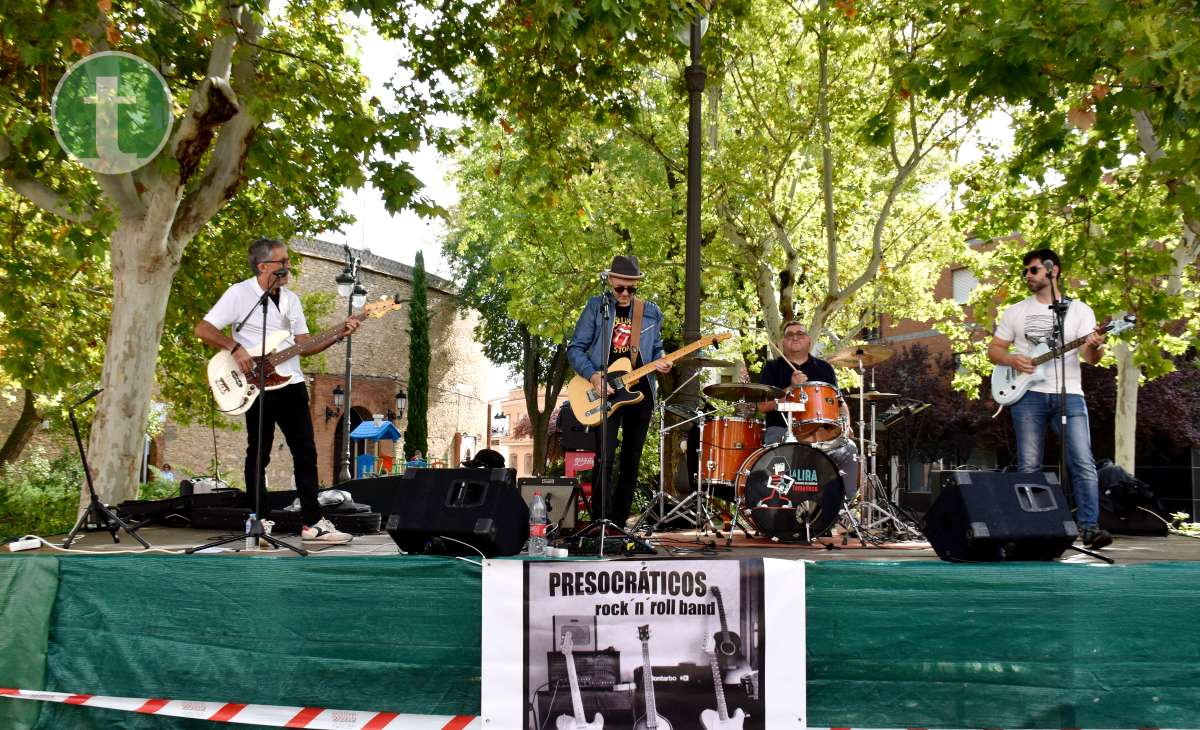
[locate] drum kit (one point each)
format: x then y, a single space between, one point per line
794 490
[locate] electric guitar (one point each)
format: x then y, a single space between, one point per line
585 401
578 721
1009 384
727 645
719 719
235 391
651 720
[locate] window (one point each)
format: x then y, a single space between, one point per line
964 283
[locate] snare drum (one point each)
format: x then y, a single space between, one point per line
726 442
820 419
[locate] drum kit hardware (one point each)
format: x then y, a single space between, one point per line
794 490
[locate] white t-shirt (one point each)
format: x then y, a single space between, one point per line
287 315
1029 323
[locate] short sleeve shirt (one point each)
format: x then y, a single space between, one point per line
287 316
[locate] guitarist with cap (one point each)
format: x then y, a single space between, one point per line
287 406
632 329
1028 324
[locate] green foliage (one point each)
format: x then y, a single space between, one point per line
416 431
39 495
317 306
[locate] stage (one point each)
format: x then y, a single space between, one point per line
896 638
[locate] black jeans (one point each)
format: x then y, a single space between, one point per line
287 408
632 422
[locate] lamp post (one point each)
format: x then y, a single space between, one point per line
349 286
695 75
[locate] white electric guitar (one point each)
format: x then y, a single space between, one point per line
1009 384
719 719
235 391
577 721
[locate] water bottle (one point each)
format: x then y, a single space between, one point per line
250 540
538 519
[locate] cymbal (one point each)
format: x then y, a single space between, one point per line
704 362
871 395
751 392
871 355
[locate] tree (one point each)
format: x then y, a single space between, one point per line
416 431
1106 105
267 102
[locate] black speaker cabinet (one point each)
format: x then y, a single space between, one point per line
561 495
992 516
438 510
575 435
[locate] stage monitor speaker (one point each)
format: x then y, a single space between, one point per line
987 516
446 510
561 495
575 435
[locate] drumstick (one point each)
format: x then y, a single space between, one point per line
785 357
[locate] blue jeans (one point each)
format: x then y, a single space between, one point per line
1030 416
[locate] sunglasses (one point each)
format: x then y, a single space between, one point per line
623 289
1033 270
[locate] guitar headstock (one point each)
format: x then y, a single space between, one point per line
1117 326
568 644
716 592
720 338
383 306
644 632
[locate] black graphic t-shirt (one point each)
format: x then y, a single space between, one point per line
623 339
779 374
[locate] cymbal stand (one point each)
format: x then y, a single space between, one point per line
657 512
695 507
875 514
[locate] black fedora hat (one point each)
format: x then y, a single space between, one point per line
625 267
486 459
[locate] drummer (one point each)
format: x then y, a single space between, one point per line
798 365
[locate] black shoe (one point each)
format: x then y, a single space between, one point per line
1096 538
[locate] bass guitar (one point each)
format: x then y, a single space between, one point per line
585 401
719 719
235 391
578 721
651 720
1009 384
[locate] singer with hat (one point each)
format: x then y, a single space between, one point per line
614 325
287 406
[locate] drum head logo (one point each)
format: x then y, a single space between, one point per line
112 112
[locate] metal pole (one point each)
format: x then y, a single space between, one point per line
695 75
344 474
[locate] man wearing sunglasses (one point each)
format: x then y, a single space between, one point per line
599 336
1027 324
286 406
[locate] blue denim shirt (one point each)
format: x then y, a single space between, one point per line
592 335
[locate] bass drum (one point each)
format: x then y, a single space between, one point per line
792 491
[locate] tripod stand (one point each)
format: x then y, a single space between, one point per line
97 513
256 527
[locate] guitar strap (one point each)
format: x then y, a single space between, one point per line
639 306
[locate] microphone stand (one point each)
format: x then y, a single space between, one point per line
97 513
256 527
601 482
1059 307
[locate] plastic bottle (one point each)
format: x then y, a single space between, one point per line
250 540
538 519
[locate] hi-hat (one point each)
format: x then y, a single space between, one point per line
871 395
868 355
749 392
703 362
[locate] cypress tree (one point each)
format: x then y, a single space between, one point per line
416 433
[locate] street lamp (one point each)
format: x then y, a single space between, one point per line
338 399
401 403
695 75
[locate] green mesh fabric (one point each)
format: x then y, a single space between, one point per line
913 644
381 633
1020 645
27 588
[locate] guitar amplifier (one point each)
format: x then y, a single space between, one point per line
560 493
593 669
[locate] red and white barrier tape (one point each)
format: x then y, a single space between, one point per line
317 718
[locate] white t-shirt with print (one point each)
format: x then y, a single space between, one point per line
1029 323
288 315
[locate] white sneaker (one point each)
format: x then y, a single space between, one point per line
325 532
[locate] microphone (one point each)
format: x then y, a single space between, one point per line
1049 268
604 277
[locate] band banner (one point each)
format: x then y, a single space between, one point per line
570 644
